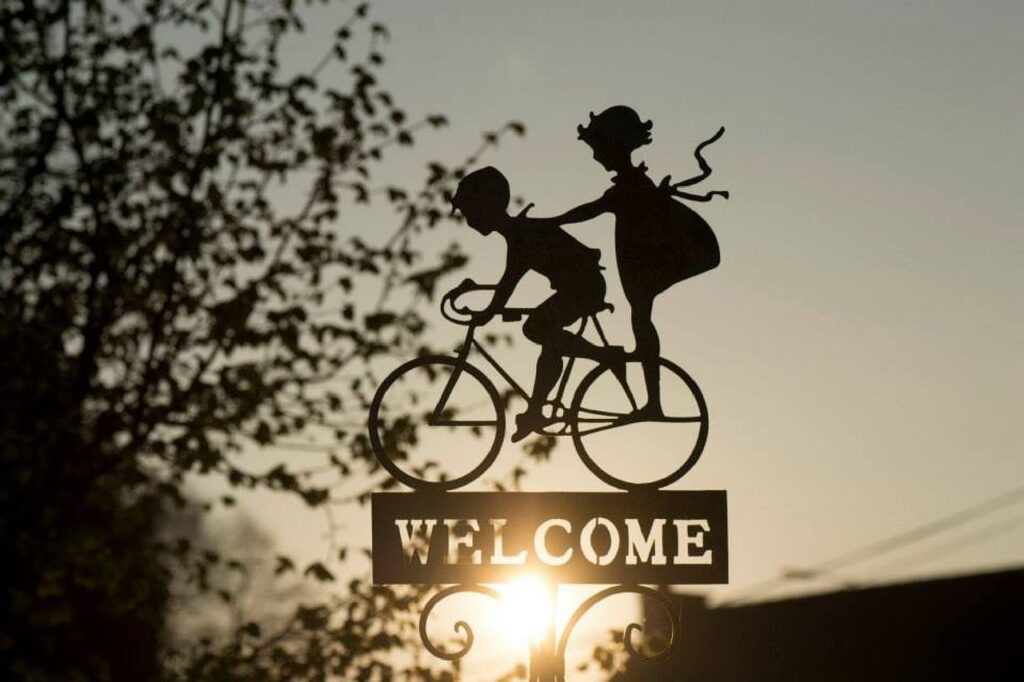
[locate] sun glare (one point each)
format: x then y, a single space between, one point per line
527 609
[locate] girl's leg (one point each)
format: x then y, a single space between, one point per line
648 349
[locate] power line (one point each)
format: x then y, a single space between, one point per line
983 534
885 546
921 532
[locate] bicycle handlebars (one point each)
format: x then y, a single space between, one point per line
450 307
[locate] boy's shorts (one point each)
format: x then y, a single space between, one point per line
564 307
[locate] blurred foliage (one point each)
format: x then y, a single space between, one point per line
181 281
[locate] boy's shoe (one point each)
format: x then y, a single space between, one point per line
527 423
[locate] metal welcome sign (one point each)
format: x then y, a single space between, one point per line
615 406
667 537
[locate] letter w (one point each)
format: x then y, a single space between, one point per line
414 539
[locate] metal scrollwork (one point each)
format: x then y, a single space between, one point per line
461 627
657 597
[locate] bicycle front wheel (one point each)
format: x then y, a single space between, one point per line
432 418
631 453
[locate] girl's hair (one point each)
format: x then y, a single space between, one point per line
618 125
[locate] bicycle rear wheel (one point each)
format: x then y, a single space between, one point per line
625 451
431 409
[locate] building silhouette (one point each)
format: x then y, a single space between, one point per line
966 628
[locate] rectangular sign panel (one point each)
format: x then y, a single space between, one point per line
666 537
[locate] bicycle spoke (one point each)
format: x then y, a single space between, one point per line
676 438
658 420
606 413
615 424
624 420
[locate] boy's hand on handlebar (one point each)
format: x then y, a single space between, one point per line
464 286
482 317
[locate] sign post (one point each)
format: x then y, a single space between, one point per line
641 535
468 539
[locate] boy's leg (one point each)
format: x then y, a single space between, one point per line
547 324
648 349
546 327
549 369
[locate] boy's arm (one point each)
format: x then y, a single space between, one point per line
502 292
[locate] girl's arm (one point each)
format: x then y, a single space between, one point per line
581 213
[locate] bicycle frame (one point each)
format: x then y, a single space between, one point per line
580 419
558 407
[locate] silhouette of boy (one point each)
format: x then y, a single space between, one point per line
571 267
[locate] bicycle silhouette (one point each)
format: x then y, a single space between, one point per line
462 400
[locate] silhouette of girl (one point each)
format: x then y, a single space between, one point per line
658 241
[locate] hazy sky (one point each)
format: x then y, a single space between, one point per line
860 346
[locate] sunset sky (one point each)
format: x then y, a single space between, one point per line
860 347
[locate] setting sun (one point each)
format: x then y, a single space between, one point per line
526 609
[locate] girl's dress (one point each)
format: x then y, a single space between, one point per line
658 240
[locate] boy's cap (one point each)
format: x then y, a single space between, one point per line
483 185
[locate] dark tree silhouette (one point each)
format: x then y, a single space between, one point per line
178 282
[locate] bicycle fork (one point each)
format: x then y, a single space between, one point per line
446 393
462 359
